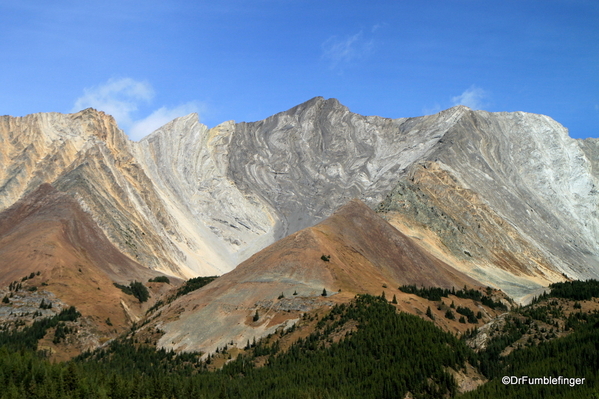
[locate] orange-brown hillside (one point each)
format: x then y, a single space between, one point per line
48 232
286 279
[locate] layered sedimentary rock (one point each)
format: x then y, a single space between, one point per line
36 149
188 164
308 161
236 188
530 171
508 197
507 192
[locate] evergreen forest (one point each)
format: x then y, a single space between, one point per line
377 353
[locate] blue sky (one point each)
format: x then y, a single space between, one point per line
147 62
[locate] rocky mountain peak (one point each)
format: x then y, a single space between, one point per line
181 126
317 108
102 126
197 201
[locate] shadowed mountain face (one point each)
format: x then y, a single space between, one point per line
365 254
508 198
46 233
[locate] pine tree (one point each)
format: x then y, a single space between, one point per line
394 300
429 313
139 291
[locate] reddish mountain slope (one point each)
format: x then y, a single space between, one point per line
48 232
367 255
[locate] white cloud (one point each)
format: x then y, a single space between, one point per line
474 97
338 50
141 128
378 26
122 97
117 97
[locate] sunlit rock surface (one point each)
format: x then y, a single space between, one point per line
506 197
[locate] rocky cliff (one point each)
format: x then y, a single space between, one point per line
236 188
507 192
506 197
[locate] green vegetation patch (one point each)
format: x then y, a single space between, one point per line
28 337
194 284
190 285
137 289
436 293
573 356
160 279
575 290
389 355
384 355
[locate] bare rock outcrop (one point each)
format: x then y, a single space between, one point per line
237 188
511 196
507 197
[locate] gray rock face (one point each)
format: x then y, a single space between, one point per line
235 189
507 192
534 175
310 160
189 200
219 226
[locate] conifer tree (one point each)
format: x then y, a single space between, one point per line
429 313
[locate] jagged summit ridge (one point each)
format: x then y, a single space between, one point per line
191 200
36 148
240 187
310 160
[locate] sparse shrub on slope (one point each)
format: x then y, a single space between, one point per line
160 279
137 289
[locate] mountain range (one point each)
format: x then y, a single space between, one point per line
309 201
